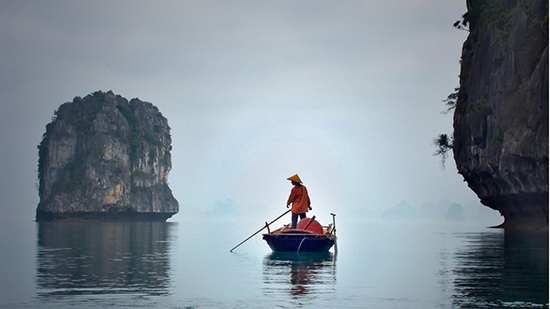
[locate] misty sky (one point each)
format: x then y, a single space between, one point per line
347 94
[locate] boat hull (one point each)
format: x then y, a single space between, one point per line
298 241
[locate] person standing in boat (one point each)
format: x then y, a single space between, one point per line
299 199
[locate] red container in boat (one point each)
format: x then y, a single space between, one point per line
313 227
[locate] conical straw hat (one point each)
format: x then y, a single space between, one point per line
295 178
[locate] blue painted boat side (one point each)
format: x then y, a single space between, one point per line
299 242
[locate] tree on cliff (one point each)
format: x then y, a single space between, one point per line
443 144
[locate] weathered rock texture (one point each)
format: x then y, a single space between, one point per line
104 158
501 117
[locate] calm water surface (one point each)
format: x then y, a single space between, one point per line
188 265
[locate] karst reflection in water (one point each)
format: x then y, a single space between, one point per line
502 270
83 258
299 275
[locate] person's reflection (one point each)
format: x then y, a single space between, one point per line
306 273
103 258
299 279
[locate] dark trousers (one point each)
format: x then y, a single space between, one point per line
295 219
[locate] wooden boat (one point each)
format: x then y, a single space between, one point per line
302 239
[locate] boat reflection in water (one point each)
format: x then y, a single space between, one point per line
85 258
300 275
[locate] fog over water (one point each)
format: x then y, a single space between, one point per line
347 94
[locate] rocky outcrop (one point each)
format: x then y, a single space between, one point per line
104 158
501 117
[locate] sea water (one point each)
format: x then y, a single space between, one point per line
188 265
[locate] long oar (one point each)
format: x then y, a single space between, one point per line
242 242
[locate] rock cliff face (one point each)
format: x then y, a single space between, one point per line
104 158
501 117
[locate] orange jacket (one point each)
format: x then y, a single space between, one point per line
299 199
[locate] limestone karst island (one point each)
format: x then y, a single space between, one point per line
501 115
105 158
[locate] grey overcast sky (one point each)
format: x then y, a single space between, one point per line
345 93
